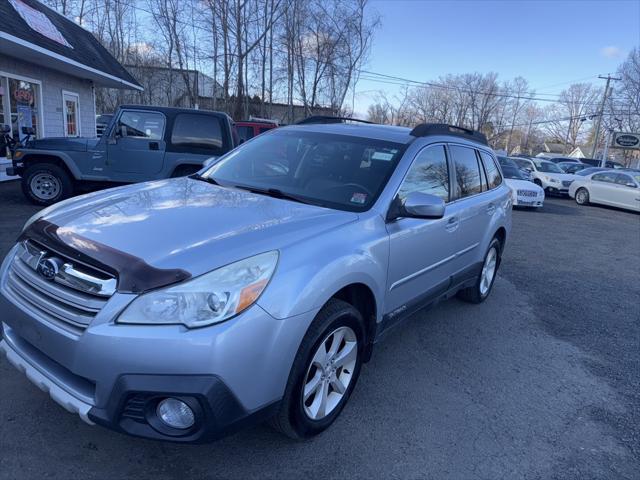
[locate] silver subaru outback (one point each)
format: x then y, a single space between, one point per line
187 308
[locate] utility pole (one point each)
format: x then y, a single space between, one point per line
600 113
605 154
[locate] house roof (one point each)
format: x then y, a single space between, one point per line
83 57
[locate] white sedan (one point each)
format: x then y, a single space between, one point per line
614 188
547 175
524 193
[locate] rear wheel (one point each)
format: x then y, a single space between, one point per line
482 288
582 196
324 372
46 183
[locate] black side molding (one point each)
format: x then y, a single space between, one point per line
426 129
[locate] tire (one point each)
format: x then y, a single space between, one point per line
582 196
481 290
293 418
46 183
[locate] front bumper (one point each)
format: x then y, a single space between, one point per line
556 189
233 373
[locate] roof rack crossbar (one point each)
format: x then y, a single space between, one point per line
329 119
424 129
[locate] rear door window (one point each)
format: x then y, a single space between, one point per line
197 131
467 171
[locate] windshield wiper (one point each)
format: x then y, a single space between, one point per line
197 176
275 193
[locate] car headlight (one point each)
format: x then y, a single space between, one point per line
553 180
208 299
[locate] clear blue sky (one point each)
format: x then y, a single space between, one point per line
551 43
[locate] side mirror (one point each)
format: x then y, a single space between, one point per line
421 205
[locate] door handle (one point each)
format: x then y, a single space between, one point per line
154 146
452 224
491 208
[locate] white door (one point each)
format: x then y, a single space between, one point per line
627 192
70 109
603 188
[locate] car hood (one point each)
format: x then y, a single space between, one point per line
74 144
558 176
516 184
190 224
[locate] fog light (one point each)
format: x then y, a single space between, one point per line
175 413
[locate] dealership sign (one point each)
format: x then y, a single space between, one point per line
626 140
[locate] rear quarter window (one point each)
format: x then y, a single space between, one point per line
494 178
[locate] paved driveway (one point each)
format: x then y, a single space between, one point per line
540 381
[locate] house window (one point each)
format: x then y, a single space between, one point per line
70 108
23 105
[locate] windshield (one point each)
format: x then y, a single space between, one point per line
548 167
526 164
334 171
512 172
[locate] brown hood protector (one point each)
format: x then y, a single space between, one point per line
134 274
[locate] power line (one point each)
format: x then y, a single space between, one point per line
389 79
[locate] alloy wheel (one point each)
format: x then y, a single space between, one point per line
488 271
330 373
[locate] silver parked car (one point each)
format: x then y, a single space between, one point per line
183 309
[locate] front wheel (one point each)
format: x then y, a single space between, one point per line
324 372
46 184
482 288
582 196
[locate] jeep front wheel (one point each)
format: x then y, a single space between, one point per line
46 183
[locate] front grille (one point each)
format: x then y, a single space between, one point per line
57 303
527 193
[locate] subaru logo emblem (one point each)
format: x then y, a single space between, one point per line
49 267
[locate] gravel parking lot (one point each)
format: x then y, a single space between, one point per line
540 381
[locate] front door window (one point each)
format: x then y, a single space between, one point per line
71 127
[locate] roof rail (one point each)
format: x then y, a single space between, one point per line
329 119
424 129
